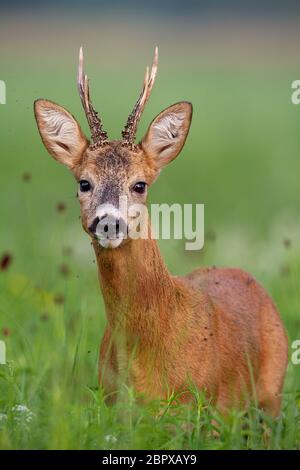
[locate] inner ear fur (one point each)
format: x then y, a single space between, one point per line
60 132
167 133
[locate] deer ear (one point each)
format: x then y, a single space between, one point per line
167 132
60 132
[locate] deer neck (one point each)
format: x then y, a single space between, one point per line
137 288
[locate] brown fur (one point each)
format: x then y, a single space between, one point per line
215 328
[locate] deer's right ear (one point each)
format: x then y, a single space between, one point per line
60 132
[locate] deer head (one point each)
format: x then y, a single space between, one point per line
108 170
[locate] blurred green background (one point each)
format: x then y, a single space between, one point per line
242 160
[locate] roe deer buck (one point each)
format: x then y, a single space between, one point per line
215 327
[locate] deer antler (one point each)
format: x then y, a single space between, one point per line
99 136
130 129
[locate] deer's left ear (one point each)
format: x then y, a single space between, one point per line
60 132
167 132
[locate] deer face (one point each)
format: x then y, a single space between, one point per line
112 181
113 176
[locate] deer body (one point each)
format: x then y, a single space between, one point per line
215 328
205 328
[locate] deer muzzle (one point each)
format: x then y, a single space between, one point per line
109 227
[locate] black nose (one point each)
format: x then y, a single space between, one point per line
108 226
111 225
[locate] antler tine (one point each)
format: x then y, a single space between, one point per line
130 129
99 136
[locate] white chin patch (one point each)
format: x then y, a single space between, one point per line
111 242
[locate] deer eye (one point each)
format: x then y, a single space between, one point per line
139 187
84 186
